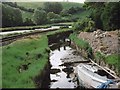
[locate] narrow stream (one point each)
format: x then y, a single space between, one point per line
61 76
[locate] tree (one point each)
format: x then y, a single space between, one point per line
28 22
105 15
11 16
55 7
87 25
64 12
52 15
110 16
39 17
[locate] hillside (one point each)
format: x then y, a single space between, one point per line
74 10
34 5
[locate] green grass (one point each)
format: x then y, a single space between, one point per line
14 55
83 45
79 41
114 59
99 56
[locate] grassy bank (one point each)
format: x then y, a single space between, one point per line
82 44
30 51
111 60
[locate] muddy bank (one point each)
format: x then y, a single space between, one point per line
43 79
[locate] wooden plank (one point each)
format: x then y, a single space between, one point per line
116 77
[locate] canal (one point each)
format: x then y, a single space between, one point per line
61 77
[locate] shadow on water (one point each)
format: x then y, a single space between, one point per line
61 75
64 78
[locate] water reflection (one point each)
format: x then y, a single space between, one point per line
64 78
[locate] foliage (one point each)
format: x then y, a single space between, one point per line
82 44
112 59
39 17
74 10
64 12
55 7
15 5
11 16
84 25
99 56
52 15
28 22
104 14
110 17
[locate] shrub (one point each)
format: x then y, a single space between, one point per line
40 17
87 25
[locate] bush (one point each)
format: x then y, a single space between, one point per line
110 17
11 16
52 15
87 25
28 22
64 12
40 17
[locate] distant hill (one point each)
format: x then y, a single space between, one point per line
34 5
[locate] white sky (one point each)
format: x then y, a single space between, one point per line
79 1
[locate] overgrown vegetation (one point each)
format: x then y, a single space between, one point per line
104 14
30 52
40 17
86 24
114 60
82 44
111 60
9 16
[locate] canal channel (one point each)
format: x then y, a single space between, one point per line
62 73
62 76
